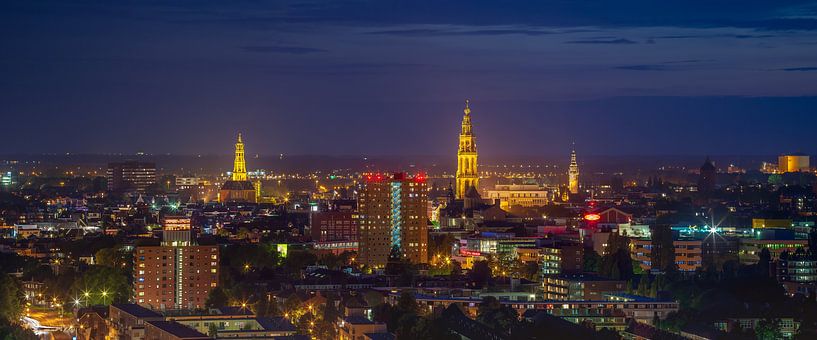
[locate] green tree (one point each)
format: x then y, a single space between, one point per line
101 285
116 258
618 265
592 261
217 298
662 255
431 328
493 314
266 307
481 272
456 268
764 262
297 260
10 299
406 303
768 329
531 271
643 284
13 331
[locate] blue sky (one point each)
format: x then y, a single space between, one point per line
390 77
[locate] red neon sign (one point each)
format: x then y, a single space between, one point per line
470 252
592 217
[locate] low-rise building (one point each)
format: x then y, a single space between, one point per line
580 287
169 330
357 328
688 253
126 321
750 248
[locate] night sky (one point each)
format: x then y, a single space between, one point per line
389 77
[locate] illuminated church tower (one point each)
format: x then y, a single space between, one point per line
573 174
467 175
238 188
239 165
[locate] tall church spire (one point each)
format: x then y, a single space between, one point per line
467 175
239 166
573 173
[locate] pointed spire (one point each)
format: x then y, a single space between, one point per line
467 110
239 138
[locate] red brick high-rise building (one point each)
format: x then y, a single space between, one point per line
393 221
177 274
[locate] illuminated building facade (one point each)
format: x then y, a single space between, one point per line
580 287
392 211
238 188
7 179
131 176
573 174
688 253
176 274
793 163
750 249
336 230
522 195
775 223
187 182
555 259
467 175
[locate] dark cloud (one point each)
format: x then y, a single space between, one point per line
669 65
426 32
711 36
644 67
620 41
800 69
282 49
687 61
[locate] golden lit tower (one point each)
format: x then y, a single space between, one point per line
467 175
239 166
573 174
238 188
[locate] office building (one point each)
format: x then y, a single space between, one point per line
392 213
131 176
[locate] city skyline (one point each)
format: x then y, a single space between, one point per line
391 170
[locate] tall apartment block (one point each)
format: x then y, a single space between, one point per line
393 221
178 274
